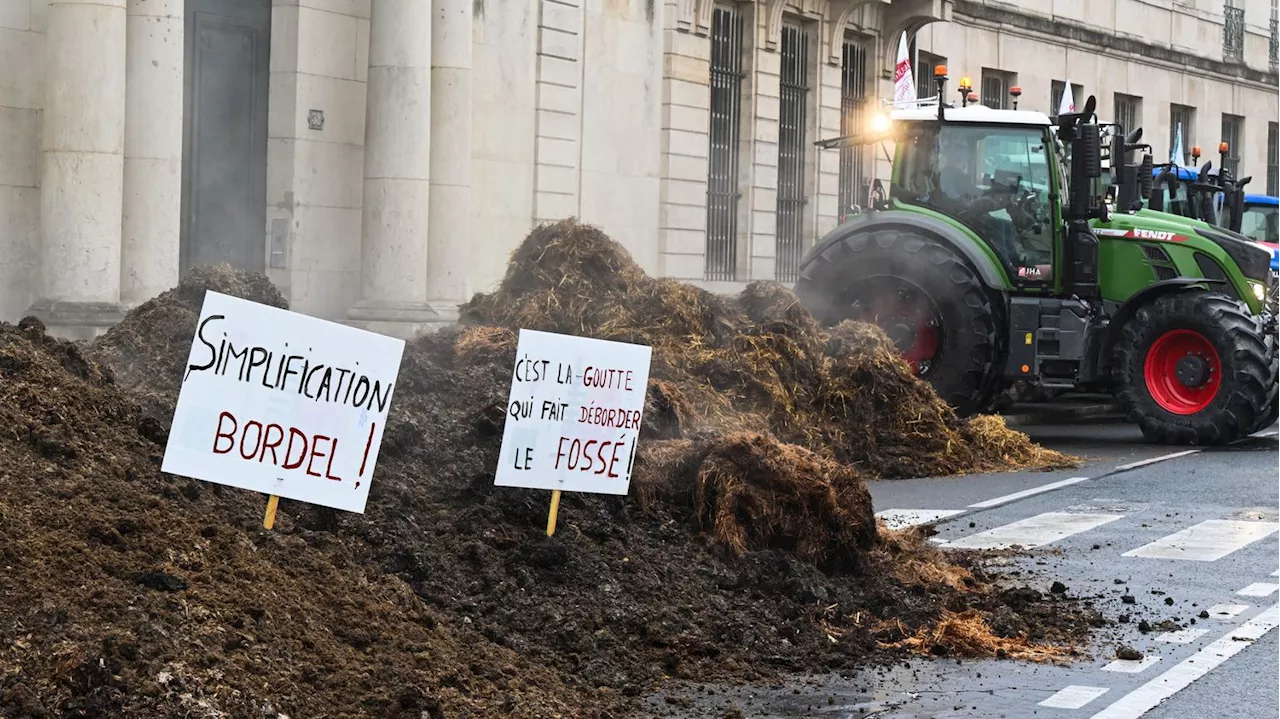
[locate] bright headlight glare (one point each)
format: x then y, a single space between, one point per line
1259 291
879 123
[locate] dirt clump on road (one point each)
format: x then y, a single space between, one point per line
747 549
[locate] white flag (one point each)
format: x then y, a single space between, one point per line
904 83
1068 104
1176 153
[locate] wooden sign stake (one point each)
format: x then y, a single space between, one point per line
269 519
555 509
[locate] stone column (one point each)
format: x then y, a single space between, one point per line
448 261
83 162
397 164
152 149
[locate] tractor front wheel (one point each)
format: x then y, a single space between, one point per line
1194 368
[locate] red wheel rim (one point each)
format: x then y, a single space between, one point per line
914 310
1161 372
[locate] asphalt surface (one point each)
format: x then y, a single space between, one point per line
1200 531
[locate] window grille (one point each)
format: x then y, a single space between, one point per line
725 134
793 118
1128 111
1232 134
1232 33
995 90
1273 159
853 106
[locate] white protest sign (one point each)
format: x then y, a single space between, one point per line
282 403
573 416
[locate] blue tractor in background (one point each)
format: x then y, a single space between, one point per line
1260 222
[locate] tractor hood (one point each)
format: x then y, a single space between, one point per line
1253 258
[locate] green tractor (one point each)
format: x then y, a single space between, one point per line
993 263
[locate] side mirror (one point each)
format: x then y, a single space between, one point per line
1117 153
1089 106
1134 137
1243 181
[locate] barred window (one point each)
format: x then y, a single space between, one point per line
1273 47
1057 88
925 63
793 111
1128 111
853 107
1233 135
723 189
995 88
1181 118
1273 159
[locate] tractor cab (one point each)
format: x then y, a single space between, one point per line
994 171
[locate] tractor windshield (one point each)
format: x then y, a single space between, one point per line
994 179
1259 223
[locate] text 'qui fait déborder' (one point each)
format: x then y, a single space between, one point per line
256 440
575 453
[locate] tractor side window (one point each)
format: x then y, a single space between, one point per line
995 180
1259 223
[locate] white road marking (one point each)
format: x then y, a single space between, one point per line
1276 573
1073 697
1181 675
899 518
1225 611
1269 433
1259 589
1207 541
1027 493
1184 636
1153 460
1131 666
1034 531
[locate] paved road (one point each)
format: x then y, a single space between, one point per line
1195 527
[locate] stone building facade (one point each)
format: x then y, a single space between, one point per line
379 159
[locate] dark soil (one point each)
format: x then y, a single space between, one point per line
129 593
747 548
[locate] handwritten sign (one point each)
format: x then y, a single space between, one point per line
282 403
573 417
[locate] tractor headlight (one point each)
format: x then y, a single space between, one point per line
1259 290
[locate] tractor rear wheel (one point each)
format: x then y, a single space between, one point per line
924 295
1195 368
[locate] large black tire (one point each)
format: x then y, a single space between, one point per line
1273 409
1246 379
967 368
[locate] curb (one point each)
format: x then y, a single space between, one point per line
1049 414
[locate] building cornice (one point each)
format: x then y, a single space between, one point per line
1126 47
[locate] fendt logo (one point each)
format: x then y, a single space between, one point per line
1152 235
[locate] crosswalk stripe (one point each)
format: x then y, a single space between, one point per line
1033 531
1153 460
1181 675
1225 611
1259 589
1073 697
1182 636
1131 666
899 518
1207 541
1027 493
